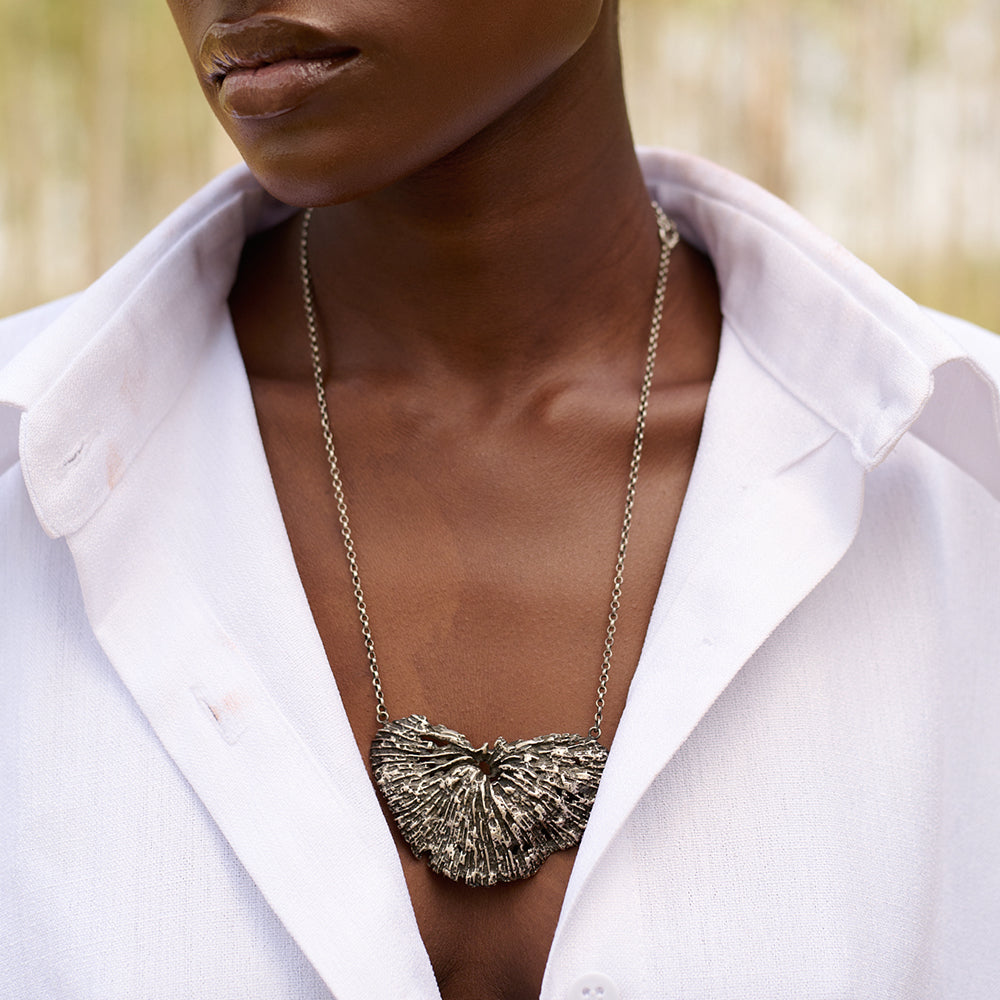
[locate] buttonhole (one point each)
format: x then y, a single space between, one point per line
227 711
75 454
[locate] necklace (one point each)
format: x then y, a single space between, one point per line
486 815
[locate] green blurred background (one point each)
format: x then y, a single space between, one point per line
878 119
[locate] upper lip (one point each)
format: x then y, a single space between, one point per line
262 40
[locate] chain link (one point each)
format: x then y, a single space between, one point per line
381 712
668 240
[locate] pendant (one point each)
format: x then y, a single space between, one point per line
482 816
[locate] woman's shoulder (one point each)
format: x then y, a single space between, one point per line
983 346
190 255
225 210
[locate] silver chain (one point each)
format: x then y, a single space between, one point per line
668 240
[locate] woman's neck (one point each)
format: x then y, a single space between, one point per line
532 243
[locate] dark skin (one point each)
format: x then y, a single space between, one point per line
484 262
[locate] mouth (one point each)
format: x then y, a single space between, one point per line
266 66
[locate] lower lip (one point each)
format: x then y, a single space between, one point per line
277 88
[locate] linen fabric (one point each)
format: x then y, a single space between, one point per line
801 801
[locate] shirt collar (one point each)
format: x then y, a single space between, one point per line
96 382
857 352
851 347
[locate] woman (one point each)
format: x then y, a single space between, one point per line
786 808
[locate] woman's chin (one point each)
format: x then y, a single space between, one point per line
310 172
316 167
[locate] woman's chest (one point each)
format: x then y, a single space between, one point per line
487 600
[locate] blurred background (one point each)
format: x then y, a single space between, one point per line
878 119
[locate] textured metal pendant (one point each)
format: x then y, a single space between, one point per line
483 816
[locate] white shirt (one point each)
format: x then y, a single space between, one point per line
802 799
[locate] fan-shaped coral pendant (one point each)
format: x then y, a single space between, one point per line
483 816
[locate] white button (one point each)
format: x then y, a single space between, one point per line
593 986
